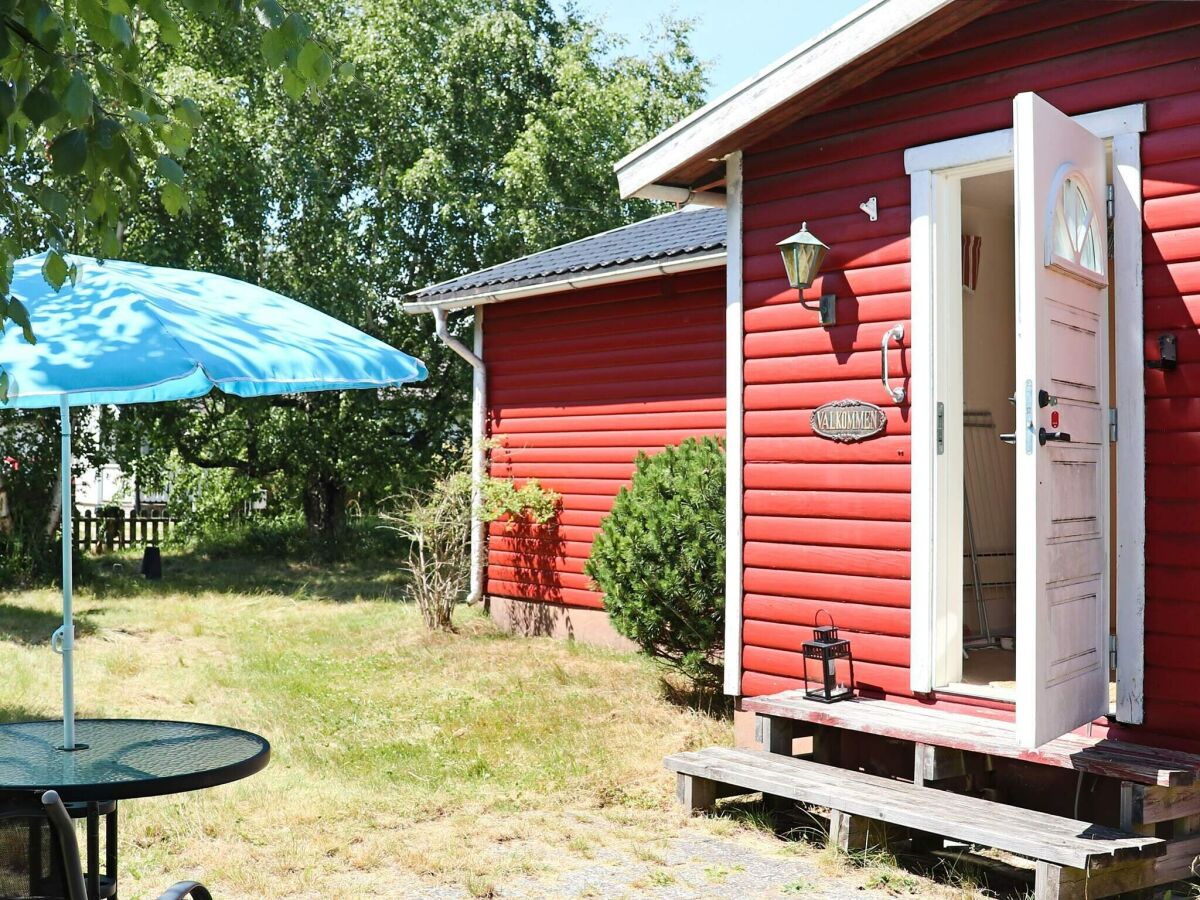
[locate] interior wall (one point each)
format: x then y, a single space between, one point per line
989 376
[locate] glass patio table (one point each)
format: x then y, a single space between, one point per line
121 759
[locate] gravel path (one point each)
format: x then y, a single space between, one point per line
696 865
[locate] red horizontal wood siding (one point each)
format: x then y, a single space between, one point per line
827 526
578 383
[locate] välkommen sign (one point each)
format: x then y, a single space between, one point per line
848 420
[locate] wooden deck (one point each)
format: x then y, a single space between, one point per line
924 725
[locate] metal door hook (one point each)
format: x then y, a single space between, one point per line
896 332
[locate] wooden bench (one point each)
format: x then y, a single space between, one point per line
1074 859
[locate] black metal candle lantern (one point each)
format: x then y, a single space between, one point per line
828 665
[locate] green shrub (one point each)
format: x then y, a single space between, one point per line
659 558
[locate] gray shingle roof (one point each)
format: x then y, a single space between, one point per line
676 235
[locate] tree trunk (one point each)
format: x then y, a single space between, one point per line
325 509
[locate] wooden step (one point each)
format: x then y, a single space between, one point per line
1052 839
926 725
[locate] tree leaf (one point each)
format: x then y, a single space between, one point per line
274 46
8 97
309 60
346 70
118 25
3 387
20 315
295 29
40 103
54 270
168 27
187 110
53 202
269 13
68 152
174 199
293 84
177 136
170 170
77 99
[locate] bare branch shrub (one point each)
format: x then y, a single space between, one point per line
437 523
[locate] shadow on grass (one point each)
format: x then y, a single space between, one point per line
11 713
709 701
23 625
194 572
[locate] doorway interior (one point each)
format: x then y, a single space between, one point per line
983 437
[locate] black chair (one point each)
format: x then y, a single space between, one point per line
39 854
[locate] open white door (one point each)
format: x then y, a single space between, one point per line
1061 397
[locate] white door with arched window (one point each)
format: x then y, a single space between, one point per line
1062 433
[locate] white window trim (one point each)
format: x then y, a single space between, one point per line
934 212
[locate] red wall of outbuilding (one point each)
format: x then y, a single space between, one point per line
578 383
827 525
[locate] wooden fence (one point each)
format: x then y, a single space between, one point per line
115 529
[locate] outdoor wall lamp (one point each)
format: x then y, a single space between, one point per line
803 254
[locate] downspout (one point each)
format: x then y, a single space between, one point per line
478 437
734 454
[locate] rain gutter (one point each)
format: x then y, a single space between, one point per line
478 437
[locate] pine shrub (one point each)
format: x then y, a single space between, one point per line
659 558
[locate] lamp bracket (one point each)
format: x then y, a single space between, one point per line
871 207
826 309
1168 354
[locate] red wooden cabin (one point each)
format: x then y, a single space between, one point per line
895 137
1010 190
1010 193
587 353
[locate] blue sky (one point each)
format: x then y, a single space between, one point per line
738 38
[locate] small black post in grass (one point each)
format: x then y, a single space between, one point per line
152 563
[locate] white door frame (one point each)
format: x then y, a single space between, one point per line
936 171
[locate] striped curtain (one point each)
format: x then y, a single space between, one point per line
970 261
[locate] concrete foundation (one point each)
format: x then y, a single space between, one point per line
534 618
743 729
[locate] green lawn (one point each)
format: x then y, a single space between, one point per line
401 759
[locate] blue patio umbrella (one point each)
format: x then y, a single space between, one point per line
128 333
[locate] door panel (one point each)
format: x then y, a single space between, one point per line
1062 386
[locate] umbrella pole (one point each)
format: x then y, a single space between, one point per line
66 635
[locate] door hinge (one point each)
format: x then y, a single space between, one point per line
941 428
1111 202
1112 651
1112 424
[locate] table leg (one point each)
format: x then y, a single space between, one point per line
35 856
93 850
110 847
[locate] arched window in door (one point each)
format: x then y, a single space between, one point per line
1075 236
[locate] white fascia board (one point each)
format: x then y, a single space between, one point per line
856 36
668 267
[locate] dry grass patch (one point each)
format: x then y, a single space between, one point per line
400 758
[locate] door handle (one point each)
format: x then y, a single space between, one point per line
896 332
1044 435
1010 438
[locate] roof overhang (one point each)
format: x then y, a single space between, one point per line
574 282
847 54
